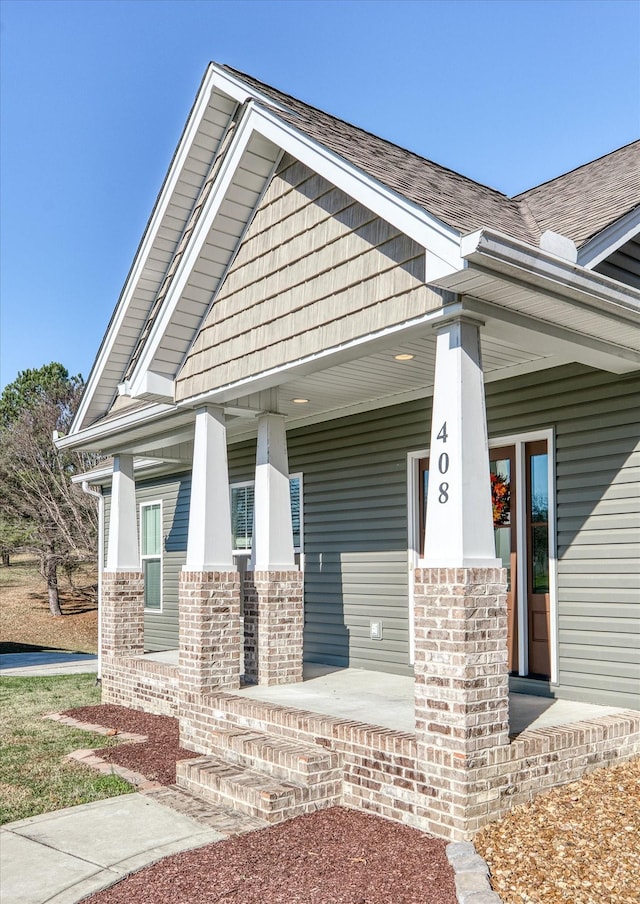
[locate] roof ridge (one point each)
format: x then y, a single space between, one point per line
575 169
374 135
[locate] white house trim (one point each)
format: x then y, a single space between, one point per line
240 142
272 547
209 537
610 239
441 242
123 552
584 287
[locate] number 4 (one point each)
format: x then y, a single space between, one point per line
443 435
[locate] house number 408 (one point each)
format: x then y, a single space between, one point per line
443 466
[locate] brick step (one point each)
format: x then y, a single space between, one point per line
256 793
307 764
222 819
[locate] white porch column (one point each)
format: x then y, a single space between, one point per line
460 609
272 530
122 552
459 528
209 545
273 615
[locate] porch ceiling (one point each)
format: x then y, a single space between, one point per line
378 379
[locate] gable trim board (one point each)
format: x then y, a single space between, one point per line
603 245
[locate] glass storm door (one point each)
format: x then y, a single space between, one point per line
502 466
534 608
537 534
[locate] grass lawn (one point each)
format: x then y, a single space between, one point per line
26 623
34 778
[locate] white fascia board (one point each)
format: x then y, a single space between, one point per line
81 438
175 170
497 252
205 222
440 240
234 87
560 340
105 474
610 239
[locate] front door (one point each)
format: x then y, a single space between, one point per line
520 495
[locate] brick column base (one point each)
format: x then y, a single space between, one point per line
273 626
122 613
209 626
461 686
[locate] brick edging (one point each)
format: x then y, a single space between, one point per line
88 756
471 874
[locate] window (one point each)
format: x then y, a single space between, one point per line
151 549
242 507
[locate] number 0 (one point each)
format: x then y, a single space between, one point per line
443 463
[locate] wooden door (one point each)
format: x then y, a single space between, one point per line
537 532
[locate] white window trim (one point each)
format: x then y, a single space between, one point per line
161 556
298 550
415 560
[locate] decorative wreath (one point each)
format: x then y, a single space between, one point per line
500 499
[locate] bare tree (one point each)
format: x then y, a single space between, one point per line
35 483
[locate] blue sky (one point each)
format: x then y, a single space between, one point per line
95 94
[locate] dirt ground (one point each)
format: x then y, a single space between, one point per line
26 624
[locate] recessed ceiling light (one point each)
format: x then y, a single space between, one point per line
300 401
405 356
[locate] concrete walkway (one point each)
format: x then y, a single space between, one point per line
48 663
61 857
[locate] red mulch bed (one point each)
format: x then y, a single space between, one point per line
155 758
334 856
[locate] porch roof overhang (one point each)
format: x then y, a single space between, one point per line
528 287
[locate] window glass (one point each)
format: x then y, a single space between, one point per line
242 509
151 549
500 473
151 530
242 503
152 571
539 520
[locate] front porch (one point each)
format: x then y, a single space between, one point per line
357 729
387 701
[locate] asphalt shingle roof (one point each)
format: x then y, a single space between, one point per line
583 202
578 204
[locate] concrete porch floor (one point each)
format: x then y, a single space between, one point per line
378 698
